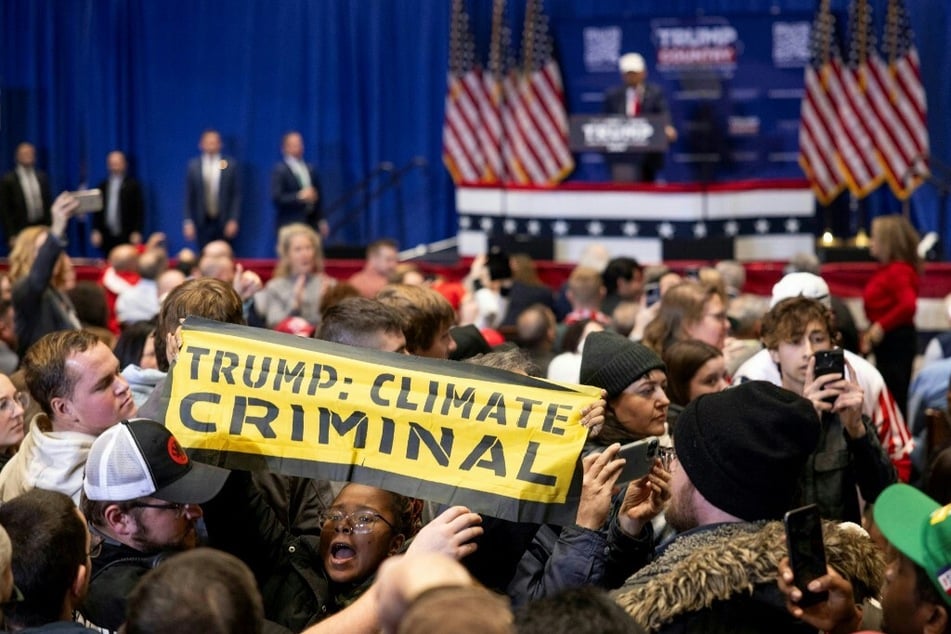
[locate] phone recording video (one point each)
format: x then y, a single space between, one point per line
807 556
639 458
651 293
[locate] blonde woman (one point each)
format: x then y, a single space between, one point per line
42 274
891 298
299 281
689 310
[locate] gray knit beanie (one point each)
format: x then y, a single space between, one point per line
613 362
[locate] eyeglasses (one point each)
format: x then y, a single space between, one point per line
178 508
361 522
667 455
7 403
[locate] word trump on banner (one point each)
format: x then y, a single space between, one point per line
450 432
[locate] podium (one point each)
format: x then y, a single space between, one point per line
617 134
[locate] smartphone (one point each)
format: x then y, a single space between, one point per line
639 458
90 200
651 293
830 362
807 555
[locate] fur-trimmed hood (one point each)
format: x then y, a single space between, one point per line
723 561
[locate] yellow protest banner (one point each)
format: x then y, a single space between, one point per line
498 442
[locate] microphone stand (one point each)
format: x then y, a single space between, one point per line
395 182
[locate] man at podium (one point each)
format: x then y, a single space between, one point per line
637 98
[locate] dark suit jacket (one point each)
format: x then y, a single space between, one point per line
229 192
653 103
284 188
13 202
131 212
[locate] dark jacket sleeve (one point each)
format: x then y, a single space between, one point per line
282 196
233 211
873 469
556 561
133 207
41 273
625 555
318 211
240 522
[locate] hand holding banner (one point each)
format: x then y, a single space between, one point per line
500 443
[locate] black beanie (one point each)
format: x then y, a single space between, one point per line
745 448
613 362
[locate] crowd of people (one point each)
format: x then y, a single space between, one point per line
108 524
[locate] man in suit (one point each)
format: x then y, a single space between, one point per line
637 98
121 219
25 197
212 193
294 187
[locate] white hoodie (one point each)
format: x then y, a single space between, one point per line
46 460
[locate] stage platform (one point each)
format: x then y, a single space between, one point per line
745 220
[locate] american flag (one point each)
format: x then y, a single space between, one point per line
499 79
819 126
463 129
907 94
894 143
539 109
858 152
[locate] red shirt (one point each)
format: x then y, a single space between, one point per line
891 296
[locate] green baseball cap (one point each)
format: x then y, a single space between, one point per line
920 528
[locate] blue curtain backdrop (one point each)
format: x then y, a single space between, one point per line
363 80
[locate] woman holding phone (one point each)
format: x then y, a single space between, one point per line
634 379
613 535
42 274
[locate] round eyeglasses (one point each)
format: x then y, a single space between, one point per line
8 403
361 522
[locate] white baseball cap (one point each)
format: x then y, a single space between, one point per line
631 63
801 284
140 457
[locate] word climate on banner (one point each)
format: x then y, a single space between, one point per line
501 443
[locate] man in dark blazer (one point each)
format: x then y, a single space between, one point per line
123 213
295 189
25 196
637 98
212 194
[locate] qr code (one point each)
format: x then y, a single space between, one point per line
791 43
602 48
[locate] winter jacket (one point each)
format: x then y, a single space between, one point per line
296 590
839 464
578 557
115 572
721 578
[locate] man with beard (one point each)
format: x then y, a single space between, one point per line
141 495
740 453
